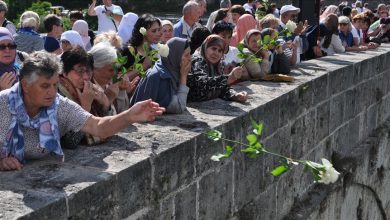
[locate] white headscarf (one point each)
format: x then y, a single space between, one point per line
81 27
73 37
125 29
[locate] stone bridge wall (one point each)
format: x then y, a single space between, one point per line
163 170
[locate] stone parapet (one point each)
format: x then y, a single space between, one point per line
163 170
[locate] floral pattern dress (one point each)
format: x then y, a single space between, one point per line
207 81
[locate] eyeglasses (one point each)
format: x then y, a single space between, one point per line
81 71
65 42
9 46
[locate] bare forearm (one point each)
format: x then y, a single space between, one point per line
106 126
91 9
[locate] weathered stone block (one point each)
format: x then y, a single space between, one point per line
205 148
372 117
351 104
337 106
215 193
341 79
320 88
134 188
322 119
185 203
303 134
173 168
271 117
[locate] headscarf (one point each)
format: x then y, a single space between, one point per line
249 34
73 37
47 123
81 27
245 23
5 34
212 40
331 9
126 26
172 61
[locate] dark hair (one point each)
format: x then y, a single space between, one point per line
237 9
331 23
222 26
51 20
146 21
347 11
198 36
76 15
76 55
221 14
40 63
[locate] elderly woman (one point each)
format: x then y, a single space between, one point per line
8 67
206 79
345 34
167 30
104 56
165 83
71 39
256 70
34 116
27 39
75 84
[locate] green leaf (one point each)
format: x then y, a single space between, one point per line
214 135
228 150
242 56
240 47
266 39
279 170
122 60
252 139
124 70
257 127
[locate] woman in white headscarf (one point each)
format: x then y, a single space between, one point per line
126 26
81 27
70 39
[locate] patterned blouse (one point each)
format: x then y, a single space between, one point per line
206 82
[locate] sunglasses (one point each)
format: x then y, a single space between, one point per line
9 46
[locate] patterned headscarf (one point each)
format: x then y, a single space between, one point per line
49 135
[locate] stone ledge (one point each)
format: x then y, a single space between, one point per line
163 168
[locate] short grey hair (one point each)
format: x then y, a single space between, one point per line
3 6
38 64
103 53
189 6
225 4
29 19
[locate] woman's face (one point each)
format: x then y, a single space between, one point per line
7 52
252 42
343 27
104 74
167 33
153 34
65 45
214 54
186 57
227 36
42 91
78 75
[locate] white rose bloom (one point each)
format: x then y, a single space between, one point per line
163 50
291 26
142 30
331 175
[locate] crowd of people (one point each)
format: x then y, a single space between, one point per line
58 91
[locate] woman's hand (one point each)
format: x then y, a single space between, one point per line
112 92
185 67
144 111
100 96
10 163
86 96
241 97
236 74
124 83
7 80
133 84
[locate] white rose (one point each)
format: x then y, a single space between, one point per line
331 175
291 26
142 30
163 50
